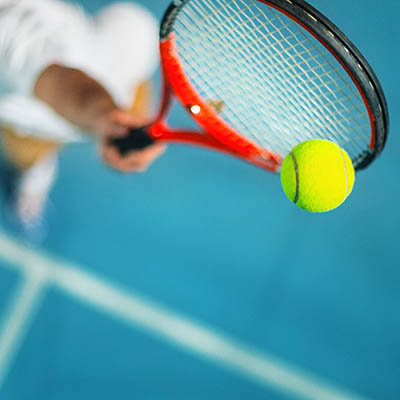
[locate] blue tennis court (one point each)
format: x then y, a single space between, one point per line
199 279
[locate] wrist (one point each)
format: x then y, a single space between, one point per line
97 112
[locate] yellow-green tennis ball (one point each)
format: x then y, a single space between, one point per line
317 175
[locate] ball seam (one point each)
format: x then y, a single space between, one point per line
296 170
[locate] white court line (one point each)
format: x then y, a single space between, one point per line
17 321
180 331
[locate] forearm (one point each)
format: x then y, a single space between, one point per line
74 95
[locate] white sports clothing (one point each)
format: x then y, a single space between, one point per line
117 47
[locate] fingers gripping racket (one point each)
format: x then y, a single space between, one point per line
259 77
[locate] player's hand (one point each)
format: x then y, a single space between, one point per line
118 124
136 161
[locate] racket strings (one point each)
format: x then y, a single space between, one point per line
230 113
216 87
286 37
254 41
309 88
302 73
346 84
278 84
284 51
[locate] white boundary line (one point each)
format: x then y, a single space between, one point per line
20 313
140 313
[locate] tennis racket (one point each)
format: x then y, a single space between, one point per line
261 76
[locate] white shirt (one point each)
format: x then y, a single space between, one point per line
117 47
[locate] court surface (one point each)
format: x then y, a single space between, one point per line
199 280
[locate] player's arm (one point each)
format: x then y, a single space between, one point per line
29 65
81 100
84 102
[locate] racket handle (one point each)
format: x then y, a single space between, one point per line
137 139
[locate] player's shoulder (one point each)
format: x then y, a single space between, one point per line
44 12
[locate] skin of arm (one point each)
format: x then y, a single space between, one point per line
84 102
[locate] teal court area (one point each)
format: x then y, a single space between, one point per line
199 280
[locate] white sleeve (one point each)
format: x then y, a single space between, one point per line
29 42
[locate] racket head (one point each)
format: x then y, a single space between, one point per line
261 76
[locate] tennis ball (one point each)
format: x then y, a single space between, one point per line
317 175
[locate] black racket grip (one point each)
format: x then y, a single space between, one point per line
136 139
